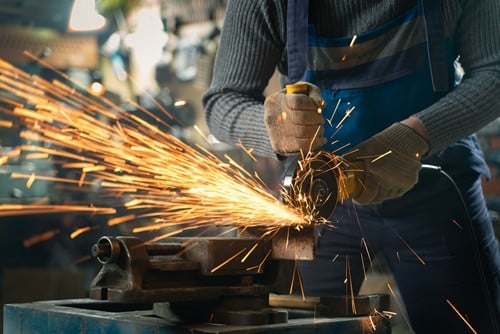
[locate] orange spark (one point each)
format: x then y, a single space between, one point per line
349 278
457 223
120 220
410 248
374 328
400 305
248 151
365 245
79 231
264 260
330 120
227 261
296 272
353 40
346 116
30 209
363 264
461 316
5 124
83 259
249 252
167 235
32 156
40 238
30 181
382 155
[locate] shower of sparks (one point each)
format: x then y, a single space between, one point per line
310 165
461 316
155 174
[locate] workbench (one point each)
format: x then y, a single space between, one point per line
91 316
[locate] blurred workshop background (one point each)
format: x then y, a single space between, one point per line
148 53
125 50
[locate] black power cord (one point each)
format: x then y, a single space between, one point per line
475 244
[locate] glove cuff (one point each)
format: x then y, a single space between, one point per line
407 140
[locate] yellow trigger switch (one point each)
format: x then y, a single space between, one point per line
299 88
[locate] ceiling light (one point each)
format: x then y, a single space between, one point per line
84 17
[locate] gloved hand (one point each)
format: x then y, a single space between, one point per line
294 121
391 162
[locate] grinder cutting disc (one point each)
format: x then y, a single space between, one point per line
315 183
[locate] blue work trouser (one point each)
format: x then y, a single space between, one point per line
427 240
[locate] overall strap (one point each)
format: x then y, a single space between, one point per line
436 53
297 24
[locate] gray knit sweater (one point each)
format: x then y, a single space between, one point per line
253 45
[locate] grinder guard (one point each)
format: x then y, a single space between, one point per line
314 185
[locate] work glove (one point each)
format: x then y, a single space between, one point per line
390 161
294 121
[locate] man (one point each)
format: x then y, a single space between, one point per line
390 73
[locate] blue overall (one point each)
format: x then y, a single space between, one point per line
441 250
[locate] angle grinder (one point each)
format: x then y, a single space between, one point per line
318 181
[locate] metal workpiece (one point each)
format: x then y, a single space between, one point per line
288 243
338 306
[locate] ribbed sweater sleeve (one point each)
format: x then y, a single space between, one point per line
253 43
476 101
250 48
